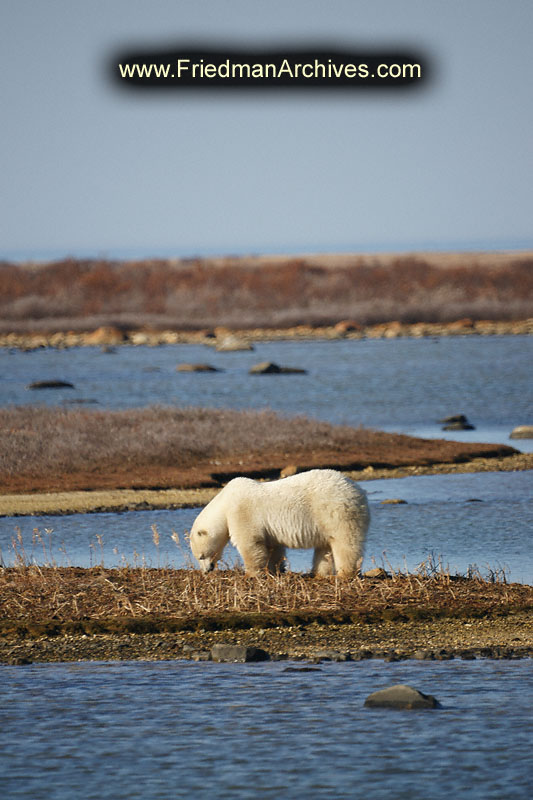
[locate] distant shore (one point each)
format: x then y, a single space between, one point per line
113 336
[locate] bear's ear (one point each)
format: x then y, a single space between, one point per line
201 533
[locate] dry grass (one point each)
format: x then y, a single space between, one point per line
54 448
185 598
262 292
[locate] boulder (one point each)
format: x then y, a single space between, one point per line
50 385
348 326
270 368
238 652
457 422
231 344
106 334
376 572
401 696
522 432
197 368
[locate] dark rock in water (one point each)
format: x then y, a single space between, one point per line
522 432
401 696
237 652
50 385
269 368
197 368
332 655
302 669
458 422
459 418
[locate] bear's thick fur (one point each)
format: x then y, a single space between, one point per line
321 509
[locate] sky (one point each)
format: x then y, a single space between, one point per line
90 168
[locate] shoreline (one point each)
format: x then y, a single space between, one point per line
494 636
112 336
121 500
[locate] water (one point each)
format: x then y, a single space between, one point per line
179 729
183 730
403 385
482 519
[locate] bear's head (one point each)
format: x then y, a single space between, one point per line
208 541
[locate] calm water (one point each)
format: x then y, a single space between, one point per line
184 730
404 385
484 519
180 729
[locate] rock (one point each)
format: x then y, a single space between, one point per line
331 655
401 696
302 669
393 501
50 385
348 326
231 344
522 432
290 469
237 652
197 368
424 655
460 418
106 334
457 422
376 572
269 368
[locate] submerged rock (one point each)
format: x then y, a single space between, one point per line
457 422
401 696
50 385
270 368
197 368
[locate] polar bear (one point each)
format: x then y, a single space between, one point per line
320 508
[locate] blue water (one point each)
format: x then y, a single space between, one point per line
186 730
483 520
160 731
403 385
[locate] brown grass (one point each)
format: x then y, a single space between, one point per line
98 599
263 292
53 448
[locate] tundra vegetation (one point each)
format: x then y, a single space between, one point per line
265 291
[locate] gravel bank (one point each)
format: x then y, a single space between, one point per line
493 636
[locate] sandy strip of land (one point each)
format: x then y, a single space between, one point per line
139 499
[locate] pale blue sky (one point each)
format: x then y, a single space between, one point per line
87 168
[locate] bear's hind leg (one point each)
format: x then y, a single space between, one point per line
322 561
276 559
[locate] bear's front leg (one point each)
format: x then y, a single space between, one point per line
255 556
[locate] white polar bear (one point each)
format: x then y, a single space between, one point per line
321 509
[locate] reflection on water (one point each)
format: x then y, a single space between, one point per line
183 730
481 519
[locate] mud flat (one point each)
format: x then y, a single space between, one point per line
116 500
